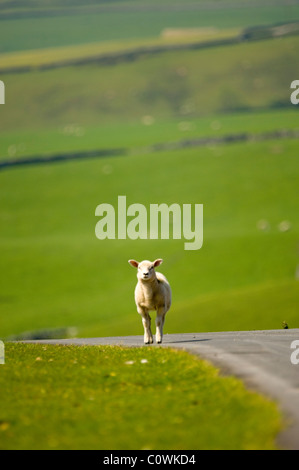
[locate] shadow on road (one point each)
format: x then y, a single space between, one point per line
188 341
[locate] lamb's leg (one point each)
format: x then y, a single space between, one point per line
148 337
146 321
160 319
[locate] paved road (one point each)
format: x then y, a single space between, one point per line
262 359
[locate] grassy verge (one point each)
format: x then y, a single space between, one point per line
66 397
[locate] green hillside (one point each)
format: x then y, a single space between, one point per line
41 24
182 85
55 272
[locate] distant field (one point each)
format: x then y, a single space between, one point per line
145 132
175 84
46 5
69 29
66 55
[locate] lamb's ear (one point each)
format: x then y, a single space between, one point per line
133 263
157 262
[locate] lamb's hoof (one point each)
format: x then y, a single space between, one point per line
150 341
159 342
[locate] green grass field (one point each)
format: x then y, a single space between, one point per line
138 135
87 109
186 84
127 399
48 31
56 273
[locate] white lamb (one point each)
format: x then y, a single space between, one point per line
152 292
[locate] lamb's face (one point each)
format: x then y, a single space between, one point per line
146 270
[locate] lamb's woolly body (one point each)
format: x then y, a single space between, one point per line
152 292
